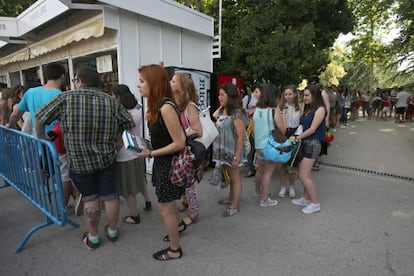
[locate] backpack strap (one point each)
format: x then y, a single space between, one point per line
170 102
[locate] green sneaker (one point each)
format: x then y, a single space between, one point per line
113 237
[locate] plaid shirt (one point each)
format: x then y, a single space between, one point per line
92 123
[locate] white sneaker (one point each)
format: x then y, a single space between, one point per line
282 192
312 208
300 201
268 202
292 192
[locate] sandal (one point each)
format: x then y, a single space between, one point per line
183 207
190 219
88 243
181 224
225 201
131 219
230 212
112 239
163 255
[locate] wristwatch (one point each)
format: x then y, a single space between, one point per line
150 154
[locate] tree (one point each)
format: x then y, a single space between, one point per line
199 5
372 17
14 8
403 46
334 70
281 41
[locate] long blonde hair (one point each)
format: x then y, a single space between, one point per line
186 91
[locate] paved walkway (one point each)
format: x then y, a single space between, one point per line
366 225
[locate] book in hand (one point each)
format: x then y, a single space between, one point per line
134 142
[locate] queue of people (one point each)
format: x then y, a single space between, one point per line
381 104
97 168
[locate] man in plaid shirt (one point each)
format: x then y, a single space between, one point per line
92 123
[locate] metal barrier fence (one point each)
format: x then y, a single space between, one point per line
31 166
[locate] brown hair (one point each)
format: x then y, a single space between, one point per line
159 86
315 91
233 98
282 102
186 92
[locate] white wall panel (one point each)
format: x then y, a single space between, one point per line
196 51
128 50
149 41
171 45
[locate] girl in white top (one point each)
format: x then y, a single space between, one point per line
287 120
130 171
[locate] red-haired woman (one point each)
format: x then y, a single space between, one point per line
167 138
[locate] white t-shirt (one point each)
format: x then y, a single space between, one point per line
251 104
124 154
402 99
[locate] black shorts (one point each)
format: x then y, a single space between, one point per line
99 184
400 110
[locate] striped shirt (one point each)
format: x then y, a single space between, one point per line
92 123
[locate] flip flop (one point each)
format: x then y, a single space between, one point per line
131 219
230 212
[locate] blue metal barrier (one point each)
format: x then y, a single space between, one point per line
31 166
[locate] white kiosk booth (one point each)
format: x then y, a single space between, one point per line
115 36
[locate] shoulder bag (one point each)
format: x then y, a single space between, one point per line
278 148
210 131
181 173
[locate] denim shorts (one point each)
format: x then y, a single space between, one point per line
311 148
99 184
257 157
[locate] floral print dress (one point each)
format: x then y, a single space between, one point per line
224 146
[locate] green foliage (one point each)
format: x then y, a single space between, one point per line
372 16
14 8
281 41
403 46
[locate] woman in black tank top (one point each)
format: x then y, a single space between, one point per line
167 138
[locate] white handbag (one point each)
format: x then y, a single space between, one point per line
210 131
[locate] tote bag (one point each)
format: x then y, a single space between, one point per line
210 131
181 173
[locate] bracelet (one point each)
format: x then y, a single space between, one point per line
235 158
